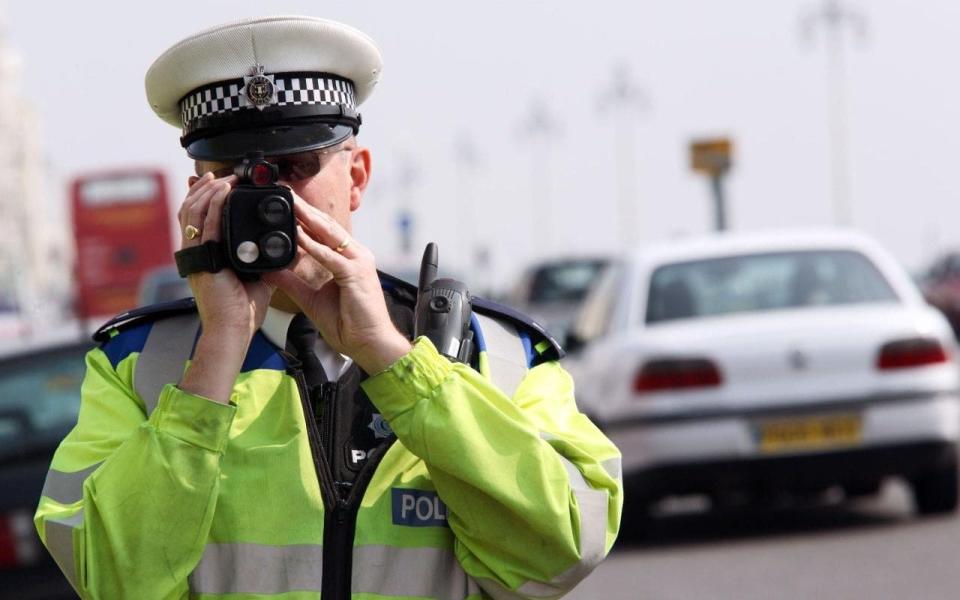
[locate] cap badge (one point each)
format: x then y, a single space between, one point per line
259 88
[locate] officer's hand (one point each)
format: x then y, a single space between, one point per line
350 310
226 304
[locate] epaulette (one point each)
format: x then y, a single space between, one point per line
545 345
144 314
403 291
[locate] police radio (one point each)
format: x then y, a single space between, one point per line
443 310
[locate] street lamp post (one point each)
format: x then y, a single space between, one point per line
541 129
625 99
833 17
467 162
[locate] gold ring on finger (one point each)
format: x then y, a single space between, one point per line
190 232
343 245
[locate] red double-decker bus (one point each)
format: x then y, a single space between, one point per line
121 224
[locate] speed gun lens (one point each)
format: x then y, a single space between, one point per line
273 210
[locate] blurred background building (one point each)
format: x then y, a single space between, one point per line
829 127
35 273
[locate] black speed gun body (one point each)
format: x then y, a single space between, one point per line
259 228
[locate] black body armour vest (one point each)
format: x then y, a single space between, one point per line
349 425
348 438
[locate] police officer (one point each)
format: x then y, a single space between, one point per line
286 436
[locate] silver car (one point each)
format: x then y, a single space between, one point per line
767 364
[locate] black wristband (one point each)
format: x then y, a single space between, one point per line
207 257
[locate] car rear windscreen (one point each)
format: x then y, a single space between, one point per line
565 282
762 282
39 399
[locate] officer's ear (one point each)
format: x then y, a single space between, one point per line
192 180
359 175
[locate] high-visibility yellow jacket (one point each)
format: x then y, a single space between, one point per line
482 495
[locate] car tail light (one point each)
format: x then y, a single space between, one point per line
913 352
19 544
673 374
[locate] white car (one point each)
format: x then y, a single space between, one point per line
770 363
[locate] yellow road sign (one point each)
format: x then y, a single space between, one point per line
711 156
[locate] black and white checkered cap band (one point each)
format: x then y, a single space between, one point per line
291 89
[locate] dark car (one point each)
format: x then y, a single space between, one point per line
162 284
553 291
941 287
39 402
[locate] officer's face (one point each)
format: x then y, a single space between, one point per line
336 189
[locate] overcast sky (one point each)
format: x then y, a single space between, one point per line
458 71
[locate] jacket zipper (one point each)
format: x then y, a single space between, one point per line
324 475
338 533
340 529
341 512
328 400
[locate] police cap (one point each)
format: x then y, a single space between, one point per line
276 85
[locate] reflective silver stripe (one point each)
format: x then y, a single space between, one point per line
59 541
66 488
420 572
163 357
390 571
258 569
593 537
613 468
593 508
593 505
496 591
505 354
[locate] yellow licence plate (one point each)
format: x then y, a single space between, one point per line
810 433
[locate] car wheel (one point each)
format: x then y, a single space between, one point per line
937 491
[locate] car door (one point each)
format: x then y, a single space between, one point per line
39 403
